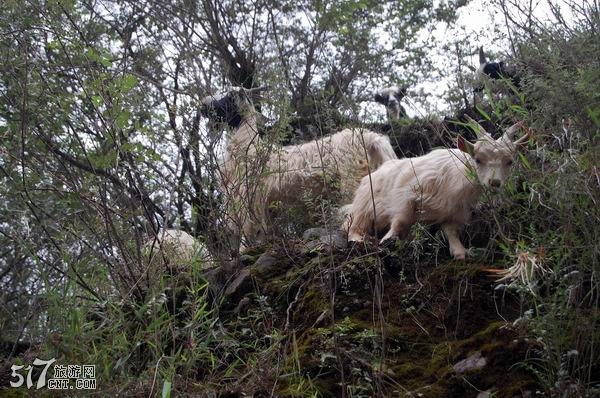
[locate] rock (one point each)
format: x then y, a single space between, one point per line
337 240
246 259
242 306
475 361
241 285
323 238
485 394
266 264
218 277
314 233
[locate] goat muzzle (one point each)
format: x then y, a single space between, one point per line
495 183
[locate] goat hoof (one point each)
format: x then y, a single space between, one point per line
355 238
460 256
387 239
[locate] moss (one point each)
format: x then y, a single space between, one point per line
311 306
516 385
274 287
426 319
454 270
440 358
328 388
298 386
485 337
409 371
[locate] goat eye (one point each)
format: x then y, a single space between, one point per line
510 162
477 160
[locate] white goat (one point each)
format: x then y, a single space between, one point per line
255 176
438 188
390 97
177 248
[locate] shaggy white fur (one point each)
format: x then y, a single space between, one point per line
178 248
438 188
256 176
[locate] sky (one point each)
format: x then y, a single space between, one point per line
482 25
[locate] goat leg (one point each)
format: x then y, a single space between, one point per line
457 249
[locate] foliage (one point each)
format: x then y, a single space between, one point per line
103 144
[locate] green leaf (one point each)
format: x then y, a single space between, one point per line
129 82
593 116
97 100
106 62
483 113
524 161
166 390
54 45
104 57
91 54
122 119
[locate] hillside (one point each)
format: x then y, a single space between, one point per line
127 250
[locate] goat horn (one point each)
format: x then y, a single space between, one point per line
510 132
480 132
525 137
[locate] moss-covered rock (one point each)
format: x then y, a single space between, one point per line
348 322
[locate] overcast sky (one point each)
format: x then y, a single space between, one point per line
481 25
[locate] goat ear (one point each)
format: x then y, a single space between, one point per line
477 128
465 145
401 93
379 98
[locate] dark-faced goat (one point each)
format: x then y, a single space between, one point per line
254 178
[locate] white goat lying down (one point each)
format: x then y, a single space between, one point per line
178 248
438 188
255 176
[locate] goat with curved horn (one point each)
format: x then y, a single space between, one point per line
437 188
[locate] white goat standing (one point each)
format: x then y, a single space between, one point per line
390 97
254 176
438 188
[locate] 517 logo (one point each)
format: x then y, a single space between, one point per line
66 377
41 382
